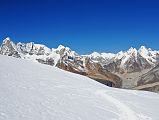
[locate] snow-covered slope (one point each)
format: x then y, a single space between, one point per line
32 91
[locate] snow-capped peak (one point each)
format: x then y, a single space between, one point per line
60 47
142 47
108 55
95 54
132 50
8 44
119 55
103 55
143 51
65 50
6 40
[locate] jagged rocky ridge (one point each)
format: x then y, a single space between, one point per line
99 66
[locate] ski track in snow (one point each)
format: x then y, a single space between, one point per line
126 112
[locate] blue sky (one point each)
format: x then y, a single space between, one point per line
83 25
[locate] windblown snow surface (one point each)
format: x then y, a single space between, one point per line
32 91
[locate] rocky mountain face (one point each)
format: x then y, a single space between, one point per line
150 77
150 80
61 57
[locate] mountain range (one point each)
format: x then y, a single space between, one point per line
125 69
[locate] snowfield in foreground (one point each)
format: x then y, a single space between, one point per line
32 91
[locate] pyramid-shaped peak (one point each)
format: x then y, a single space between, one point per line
142 47
132 49
60 47
143 51
7 38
